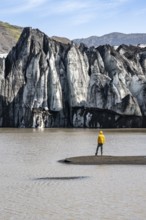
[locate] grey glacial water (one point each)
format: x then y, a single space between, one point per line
35 186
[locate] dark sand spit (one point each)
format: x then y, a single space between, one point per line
98 160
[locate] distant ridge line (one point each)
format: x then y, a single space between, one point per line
114 39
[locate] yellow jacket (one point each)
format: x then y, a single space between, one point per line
101 138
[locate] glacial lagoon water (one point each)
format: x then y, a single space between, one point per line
35 186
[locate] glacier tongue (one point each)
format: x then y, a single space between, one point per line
45 83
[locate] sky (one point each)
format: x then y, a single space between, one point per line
76 18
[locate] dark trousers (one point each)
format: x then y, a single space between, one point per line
101 148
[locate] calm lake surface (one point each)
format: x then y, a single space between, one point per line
35 186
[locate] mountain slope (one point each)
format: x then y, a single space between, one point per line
9 35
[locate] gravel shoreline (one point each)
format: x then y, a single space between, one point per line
99 160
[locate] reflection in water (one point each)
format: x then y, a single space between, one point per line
35 186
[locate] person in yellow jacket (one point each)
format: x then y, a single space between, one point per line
100 142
